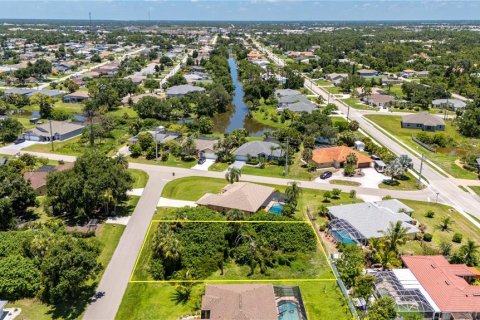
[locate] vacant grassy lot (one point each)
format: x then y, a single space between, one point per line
152 301
219 166
445 160
356 104
172 161
460 225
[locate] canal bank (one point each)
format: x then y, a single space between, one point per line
237 117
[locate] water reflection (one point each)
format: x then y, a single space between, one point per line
237 117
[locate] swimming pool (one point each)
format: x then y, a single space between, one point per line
276 208
288 311
342 236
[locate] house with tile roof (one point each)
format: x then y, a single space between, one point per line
336 156
431 286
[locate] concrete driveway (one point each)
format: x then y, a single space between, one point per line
238 164
371 178
172 203
18 147
204 166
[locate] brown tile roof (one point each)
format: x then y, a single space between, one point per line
444 282
337 154
240 302
423 118
244 196
37 179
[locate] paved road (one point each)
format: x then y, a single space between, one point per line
448 191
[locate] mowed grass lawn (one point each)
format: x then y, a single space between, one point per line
140 178
460 225
356 104
392 124
172 161
407 182
152 301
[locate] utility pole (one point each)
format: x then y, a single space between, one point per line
419 182
156 146
51 132
286 159
348 112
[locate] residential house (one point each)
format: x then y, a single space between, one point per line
54 130
422 74
38 178
367 73
258 149
206 148
432 287
293 101
379 100
239 302
336 156
336 78
159 135
407 73
181 90
449 103
76 97
244 196
353 223
424 121
135 98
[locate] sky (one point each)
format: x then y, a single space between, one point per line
243 10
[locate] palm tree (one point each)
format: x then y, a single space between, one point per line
233 174
235 215
293 191
395 236
445 224
90 109
469 253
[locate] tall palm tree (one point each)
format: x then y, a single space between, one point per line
293 191
395 236
469 253
233 174
235 215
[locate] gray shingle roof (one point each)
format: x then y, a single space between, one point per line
254 148
451 102
183 89
370 218
423 118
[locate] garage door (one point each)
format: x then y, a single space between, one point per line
210 155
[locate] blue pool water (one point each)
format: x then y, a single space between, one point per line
288 311
342 236
276 209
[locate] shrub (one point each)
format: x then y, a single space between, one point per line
353 194
322 227
457 237
427 237
336 193
430 214
135 151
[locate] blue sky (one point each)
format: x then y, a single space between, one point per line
317 10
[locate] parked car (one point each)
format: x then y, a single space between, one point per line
326 175
201 160
19 140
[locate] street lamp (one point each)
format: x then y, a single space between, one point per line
436 200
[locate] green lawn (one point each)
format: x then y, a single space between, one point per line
333 89
219 166
345 183
461 225
443 160
407 182
356 104
171 162
268 115
140 178
396 90
323 82
192 188
476 189
108 235
152 301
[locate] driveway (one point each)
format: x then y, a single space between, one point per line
204 166
371 178
238 164
172 203
18 147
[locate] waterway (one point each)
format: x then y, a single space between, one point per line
237 117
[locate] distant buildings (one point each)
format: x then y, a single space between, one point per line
449 103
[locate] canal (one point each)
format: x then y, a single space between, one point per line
237 117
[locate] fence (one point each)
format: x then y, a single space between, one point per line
426 146
344 290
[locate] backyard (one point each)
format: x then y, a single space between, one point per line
445 160
151 301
